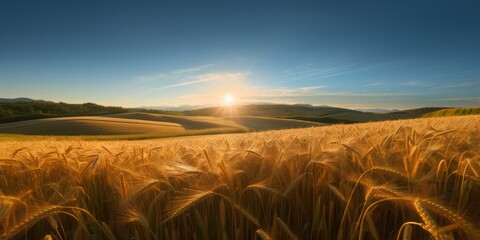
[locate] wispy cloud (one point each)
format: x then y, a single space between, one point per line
396 84
193 69
466 99
459 85
195 85
323 73
172 75
210 77
287 92
377 84
247 93
299 92
193 81
311 88
317 73
414 83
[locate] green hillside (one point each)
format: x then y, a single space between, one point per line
27 110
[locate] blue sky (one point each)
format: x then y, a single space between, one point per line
356 54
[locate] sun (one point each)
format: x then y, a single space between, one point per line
228 99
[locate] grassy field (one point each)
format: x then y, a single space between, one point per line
454 112
407 179
268 123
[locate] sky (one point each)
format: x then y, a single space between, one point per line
354 54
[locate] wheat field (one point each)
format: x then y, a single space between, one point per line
407 179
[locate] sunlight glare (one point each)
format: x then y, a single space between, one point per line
229 99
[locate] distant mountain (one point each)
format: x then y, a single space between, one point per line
20 99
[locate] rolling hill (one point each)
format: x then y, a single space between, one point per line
268 110
187 122
147 125
322 114
19 99
32 117
424 110
89 126
266 123
454 112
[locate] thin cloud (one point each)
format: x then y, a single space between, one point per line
472 99
389 85
317 73
210 88
147 78
310 88
187 83
193 69
172 75
210 77
288 92
459 85
322 73
377 84
298 93
414 83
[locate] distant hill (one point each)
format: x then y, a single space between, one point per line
454 112
11 100
422 111
210 122
19 109
174 108
377 110
268 110
89 125
321 114
328 120
196 107
140 125
13 111
374 117
26 110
